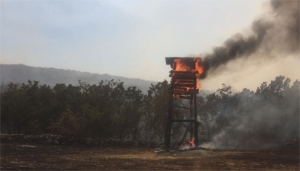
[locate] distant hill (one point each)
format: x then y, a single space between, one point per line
51 76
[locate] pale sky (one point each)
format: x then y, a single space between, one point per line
129 38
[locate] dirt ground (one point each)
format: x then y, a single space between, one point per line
50 157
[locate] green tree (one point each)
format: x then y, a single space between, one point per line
156 108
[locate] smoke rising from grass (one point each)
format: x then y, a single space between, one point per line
247 120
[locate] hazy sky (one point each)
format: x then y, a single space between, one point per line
129 38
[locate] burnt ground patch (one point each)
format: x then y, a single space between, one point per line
58 157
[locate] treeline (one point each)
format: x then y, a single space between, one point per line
228 119
106 110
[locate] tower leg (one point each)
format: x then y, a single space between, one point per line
169 123
196 133
191 116
196 124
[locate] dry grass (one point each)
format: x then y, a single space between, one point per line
43 157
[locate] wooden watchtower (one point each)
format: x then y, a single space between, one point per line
183 86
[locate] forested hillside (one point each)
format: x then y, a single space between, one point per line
51 76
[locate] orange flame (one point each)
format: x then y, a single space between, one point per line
198 67
188 144
180 65
192 142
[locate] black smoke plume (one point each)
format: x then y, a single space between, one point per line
278 31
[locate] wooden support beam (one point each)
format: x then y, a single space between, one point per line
183 120
181 107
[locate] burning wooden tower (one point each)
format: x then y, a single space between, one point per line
184 85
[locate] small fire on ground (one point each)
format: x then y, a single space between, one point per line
187 144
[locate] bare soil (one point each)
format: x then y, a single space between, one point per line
50 157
